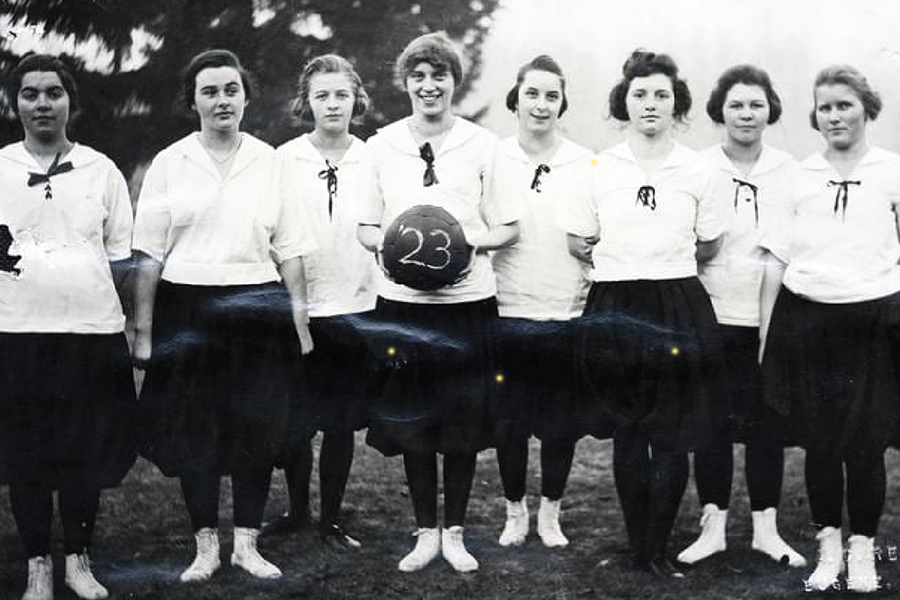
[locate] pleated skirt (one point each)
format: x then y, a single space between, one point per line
436 376
650 355
539 394
831 370
221 382
67 407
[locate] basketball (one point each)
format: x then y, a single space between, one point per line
425 248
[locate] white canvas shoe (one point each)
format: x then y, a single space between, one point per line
246 556
455 552
40 579
80 579
831 560
516 528
548 524
861 574
206 561
428 546
767 540
712 536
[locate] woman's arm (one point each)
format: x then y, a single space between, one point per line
294 276
773 274
146 279
370 236
706 251
497 237
581 247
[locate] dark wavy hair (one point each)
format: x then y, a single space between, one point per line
748 75
642 63
210 59
46 63
328 63
542 62
436 49
856 81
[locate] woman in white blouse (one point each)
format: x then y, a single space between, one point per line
437 359
215 326
648 345
754 187
327 173
830 354
540 289
66 387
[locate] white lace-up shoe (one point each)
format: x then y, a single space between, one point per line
206 562
428 546
40 579
80 580
516 528
548 524
767 540
712 536
247 557
454 550
831 560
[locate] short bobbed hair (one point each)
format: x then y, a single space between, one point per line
328 63
211 59
46 63
748 75
856 81
642 63
436 49
542 62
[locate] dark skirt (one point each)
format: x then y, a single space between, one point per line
650 354
831 371
435 374
749 418
66 408
218 388
339 382
539 394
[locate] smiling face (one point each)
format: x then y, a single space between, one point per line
43 105
650 103
745 113
219 98
331 100
539 101
840 115
430 91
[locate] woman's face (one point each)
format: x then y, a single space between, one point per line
331 99
43 105
840 115
539 101
430 90
650 103
219 98
745 113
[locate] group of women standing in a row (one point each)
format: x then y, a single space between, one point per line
583 310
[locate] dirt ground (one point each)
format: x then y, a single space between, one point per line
143 541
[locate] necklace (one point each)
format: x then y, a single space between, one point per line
228 155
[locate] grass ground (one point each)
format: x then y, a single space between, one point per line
143 541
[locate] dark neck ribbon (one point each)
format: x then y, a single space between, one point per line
536 182
329 174
646 196
740 183
56 168
842 194
427 154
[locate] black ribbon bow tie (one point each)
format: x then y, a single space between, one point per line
842 194
427 154
329 174
646 196
738 184
55 169
536 182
